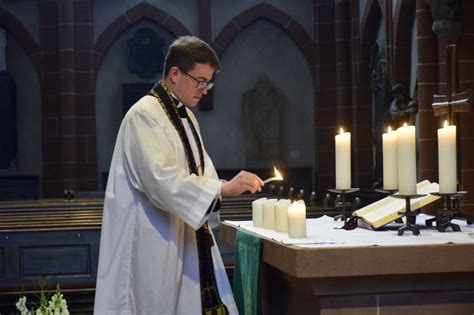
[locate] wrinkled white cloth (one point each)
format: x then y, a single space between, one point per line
148 262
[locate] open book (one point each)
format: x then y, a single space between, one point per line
387 210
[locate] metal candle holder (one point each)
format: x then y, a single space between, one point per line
445 214
344 215
410 224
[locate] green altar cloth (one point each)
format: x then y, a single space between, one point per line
246 274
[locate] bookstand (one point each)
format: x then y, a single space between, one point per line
389 192
410 215
445 214
343 205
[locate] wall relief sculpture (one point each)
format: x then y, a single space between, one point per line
262 109
146 53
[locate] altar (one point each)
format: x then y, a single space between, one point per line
335 271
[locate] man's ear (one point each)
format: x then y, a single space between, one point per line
173 74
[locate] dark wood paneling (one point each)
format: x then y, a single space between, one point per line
63 260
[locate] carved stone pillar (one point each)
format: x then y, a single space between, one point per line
446 19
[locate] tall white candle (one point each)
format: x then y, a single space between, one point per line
343 160
257 212
269 214
447 159
390 164
297 219
281 215
406 151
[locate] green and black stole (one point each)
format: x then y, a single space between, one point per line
210 299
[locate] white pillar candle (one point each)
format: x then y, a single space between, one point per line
390 164
447 159
257 212
281 215
297 219
343 160
406 151
269 214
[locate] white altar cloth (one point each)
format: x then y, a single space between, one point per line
325 232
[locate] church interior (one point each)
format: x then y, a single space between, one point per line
293 73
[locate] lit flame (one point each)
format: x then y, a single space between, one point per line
277 174
341 131
389 129
445 124
404 124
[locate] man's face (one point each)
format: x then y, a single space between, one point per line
186 84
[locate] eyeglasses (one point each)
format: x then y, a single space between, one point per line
201 84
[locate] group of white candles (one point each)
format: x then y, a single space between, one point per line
280 215
399 160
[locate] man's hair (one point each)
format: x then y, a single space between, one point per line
186 51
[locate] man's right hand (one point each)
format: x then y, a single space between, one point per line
242 182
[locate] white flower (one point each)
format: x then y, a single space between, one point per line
21 305
58 305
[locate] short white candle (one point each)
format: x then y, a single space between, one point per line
257 212
390 164
281 215
269 214
297 219
406 151
343 160
447 159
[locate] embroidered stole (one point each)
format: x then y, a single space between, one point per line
210 299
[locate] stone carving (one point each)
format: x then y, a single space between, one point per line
446 18
402 109
146 53
262 109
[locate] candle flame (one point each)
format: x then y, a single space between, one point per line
277 173
341 131
445 124
389 129
404 124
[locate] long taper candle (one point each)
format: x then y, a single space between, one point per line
406 150
390 164
276 177
343 160
447 159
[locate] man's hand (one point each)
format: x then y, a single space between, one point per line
242 182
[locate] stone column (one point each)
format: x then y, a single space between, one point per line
68 100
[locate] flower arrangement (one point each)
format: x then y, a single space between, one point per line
57 305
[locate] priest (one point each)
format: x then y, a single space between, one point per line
157 251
